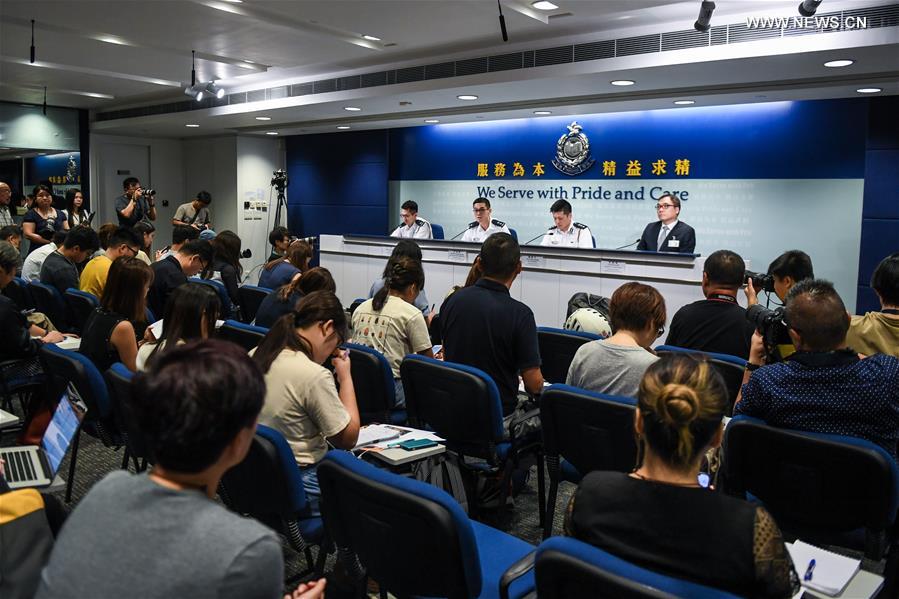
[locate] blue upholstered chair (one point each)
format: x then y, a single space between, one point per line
119 380
557 349
251 298
245 335
461 404
410 537
565 567
730 367
373 382
67 368
514 233
584 431
827 489
49 301
221 290
267 486
17 291
437 231
80 304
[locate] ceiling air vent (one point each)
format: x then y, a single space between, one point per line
594 50
505 62
685 39
550 56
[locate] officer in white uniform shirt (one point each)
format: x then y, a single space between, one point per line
484 226
566 233
412 227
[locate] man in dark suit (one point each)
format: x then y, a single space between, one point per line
668 234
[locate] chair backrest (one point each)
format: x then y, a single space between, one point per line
267 484
460 403
81 304
120 381
356 303
245 335
220 289
251 298
593 237
71 367
514 233
730 367
565 567
49 301
823 483
437 231
557 349
18 291
591 431
373 382
413 538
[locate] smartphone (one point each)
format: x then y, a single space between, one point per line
413 444
436 349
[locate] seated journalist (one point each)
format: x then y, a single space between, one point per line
878 332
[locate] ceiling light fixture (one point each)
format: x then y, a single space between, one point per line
807 8
502 22
371 38
343 127
352 108
431 121
469 97
32 41
542 112
263 118
869 90
192 125
622 82
835 64
215 90
544 5
44 109
704 21
684 102
271 133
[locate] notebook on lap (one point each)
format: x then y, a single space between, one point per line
37 465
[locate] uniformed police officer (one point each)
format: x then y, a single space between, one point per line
566 233
412 227
484 226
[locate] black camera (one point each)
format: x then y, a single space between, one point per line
149 192
760 281
280 180
770 324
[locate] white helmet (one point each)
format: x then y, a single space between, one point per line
589 321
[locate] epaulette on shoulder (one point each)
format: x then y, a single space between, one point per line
419 222
580 226
473 225
498 223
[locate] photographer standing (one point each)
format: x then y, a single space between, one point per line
787 270
133 206
194 214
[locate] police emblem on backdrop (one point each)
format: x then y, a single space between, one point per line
573 151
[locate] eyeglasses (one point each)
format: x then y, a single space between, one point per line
133 251
660 332
479 210
664 206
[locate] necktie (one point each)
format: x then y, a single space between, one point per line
662 235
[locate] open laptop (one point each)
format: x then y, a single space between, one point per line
36 466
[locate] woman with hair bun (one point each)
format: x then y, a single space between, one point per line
659 516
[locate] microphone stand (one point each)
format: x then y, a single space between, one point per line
538 236
627 246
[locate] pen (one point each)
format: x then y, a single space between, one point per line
809 571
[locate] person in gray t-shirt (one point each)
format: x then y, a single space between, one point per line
616 365
162 534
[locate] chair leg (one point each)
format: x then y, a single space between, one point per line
69 482
125 457
541 491
550 507
143 465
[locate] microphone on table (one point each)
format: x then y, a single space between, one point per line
628 245
540 235
471 226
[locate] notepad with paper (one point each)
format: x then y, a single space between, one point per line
832 571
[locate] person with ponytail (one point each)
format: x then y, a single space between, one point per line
282 300
661 516
390 323
301 398
408 249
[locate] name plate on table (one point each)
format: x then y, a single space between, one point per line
532 261
457 256
613 267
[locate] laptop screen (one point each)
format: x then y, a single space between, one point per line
60 431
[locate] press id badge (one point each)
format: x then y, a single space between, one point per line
674 243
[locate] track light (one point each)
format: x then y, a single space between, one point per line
198 91
705 16
502 22
214 90
32 41
44 110
807 8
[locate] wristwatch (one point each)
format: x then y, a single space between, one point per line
750 366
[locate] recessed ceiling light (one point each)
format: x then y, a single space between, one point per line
343 127
352 108
432 121
467 97
542 112
263 118
192 125
839 63
622 82
869 90
271 133
234 1
684 102
544 5
371 38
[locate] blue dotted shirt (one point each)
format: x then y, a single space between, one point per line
857 398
